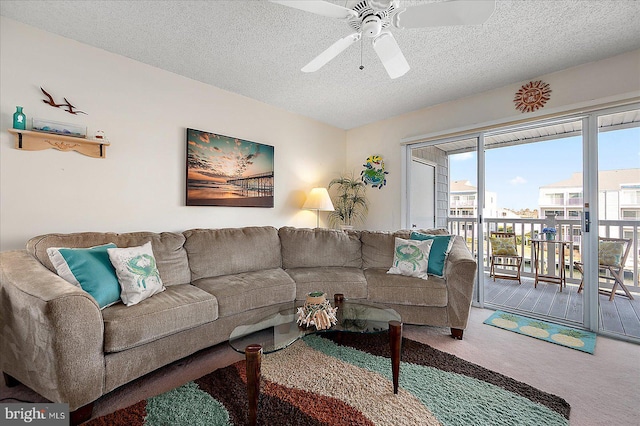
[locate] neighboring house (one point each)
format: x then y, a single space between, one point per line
618 200
463 200
618 197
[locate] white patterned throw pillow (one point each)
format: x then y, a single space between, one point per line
137 273
411 258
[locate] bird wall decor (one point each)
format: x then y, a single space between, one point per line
69 108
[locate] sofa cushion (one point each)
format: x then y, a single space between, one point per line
378 246
439 251
309 248
89 269
171 257
401 290
137 273
249 290
330 280
179 307
217 252
411 258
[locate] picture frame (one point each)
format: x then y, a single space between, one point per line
227 171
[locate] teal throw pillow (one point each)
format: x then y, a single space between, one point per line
89 269
439 251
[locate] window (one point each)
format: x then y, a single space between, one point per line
574 213
555 199
575 198
630 214
557 213
630 196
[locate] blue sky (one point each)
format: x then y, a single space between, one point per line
515 173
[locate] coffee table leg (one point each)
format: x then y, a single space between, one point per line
253 355
395 343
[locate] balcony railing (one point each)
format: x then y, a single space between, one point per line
463 203
568 230
578 201
551 201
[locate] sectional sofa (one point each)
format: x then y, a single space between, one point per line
56 340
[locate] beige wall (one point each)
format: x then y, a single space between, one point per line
144 112
591 84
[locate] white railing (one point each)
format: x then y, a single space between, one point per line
463 203
568 230
551 201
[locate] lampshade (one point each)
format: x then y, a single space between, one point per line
318 199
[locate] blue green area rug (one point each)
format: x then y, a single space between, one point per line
315 381
580 340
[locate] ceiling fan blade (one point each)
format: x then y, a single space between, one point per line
390 54
319 7
446 13
333 51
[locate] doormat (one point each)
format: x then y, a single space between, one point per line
573 338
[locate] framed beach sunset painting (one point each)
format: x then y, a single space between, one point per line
227 171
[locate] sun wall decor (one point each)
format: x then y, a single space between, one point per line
532 96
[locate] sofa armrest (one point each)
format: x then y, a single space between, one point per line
51 332
460 272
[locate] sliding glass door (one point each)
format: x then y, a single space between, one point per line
618 226
578 176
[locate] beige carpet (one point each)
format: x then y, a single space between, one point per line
602 388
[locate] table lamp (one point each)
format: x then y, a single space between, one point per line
318 200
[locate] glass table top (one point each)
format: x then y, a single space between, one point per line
280 330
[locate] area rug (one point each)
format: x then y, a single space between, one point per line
573 338
317 382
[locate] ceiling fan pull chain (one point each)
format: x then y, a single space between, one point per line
361 66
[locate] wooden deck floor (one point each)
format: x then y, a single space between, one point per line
620 316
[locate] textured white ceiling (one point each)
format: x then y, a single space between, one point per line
256 48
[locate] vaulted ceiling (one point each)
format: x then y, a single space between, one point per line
257 48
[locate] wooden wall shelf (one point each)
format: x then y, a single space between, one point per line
29 140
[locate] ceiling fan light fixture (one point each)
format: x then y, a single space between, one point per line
390 54
371 26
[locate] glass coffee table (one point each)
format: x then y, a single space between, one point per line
280 330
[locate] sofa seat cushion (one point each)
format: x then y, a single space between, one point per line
331 280
180 307
243 292
401 290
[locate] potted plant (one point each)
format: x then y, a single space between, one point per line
350 202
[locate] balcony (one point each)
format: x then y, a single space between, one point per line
551 201
463 203
620 316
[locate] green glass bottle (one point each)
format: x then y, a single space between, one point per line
19 119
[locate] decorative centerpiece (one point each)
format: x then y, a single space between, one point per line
317 311
549 233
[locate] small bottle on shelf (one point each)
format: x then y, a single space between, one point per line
19 119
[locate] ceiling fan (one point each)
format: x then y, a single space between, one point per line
374 18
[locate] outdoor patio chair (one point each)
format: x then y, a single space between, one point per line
504 254
612 256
